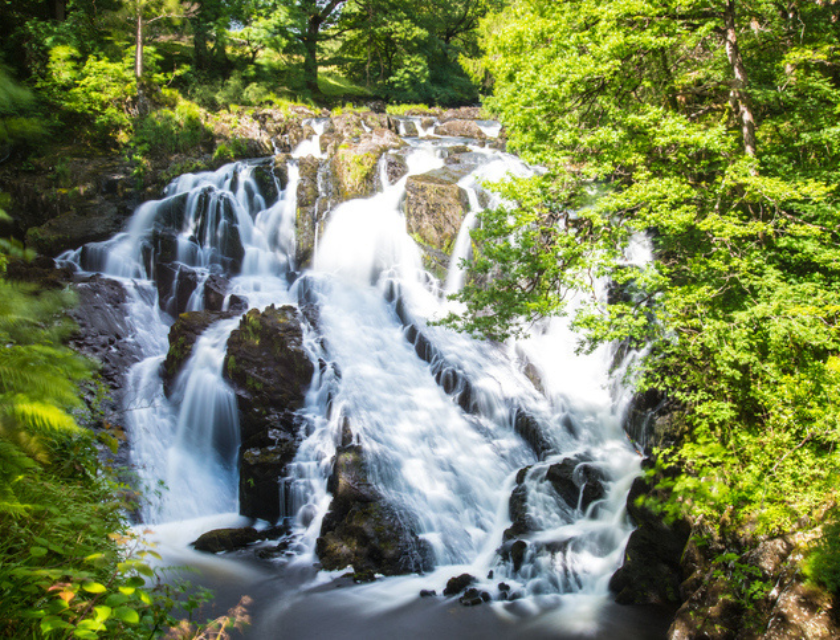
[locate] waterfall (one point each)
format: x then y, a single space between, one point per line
451 427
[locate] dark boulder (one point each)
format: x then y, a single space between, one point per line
457 584
220 540
175 284
215 292
577 482
364 530
270 372
651 572
183 335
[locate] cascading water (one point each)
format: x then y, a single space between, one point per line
451 427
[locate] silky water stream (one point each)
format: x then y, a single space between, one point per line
451 427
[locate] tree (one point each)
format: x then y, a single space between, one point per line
144 13
709 125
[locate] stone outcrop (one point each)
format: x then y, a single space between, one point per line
309 216
354 165
460 129
270 372
652 571
434 207
361 528
183 335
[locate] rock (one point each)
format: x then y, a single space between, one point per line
395 167
102 328
409 129
175 284
381 121
40 271
530 430
471 597
308 217
377 106
269 174
87 222
220 540
215 292
361 528
521 522
354 165
460 129
183 335
576 482
652 571
517 554
457 584
434 208
427 593
270 373
427 123
463 113
233 539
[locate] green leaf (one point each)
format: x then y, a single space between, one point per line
94 587
37 552
127 615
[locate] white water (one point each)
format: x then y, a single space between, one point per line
451 471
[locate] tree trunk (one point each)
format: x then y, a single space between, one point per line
310 63
138 48
738 95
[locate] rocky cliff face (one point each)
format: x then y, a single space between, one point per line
724 584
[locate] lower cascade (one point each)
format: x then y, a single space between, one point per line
293 379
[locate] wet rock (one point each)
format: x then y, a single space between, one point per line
460 129
521 521
457 584
576 482
381 121
517 554
427 123
270 373
215 292
530 430
364 530
271 177
434 207
395 167
348 125
220 540
652 571
409 129
472 597
183 335
175 284
427 593
308 217
102 327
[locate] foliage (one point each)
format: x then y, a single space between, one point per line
641 114
170 131
411 52
95 94
823 562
